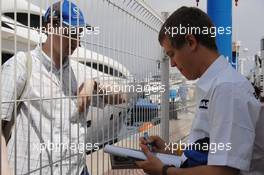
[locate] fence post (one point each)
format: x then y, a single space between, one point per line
165 95
262 71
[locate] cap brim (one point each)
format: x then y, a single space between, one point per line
87 26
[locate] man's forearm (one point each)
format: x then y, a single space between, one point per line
204 170
5 170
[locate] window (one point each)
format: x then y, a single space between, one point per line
105 69
23 18
6 56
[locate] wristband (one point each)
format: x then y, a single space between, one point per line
165 168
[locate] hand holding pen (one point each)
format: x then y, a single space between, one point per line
149 144
155 142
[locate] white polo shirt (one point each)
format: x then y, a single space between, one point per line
48 118
229 114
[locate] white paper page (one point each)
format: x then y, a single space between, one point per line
126 152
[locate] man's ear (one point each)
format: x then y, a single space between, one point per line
191 41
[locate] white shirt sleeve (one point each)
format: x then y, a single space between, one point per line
10 82
233 114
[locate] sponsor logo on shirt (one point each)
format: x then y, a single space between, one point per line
204 104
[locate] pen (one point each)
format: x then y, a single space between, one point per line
149 143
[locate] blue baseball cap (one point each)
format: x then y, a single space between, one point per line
71 15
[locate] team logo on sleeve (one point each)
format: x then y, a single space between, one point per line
204 104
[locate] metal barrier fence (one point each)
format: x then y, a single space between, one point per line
54 130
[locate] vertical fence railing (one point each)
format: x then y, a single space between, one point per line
121 54
165 96
1 151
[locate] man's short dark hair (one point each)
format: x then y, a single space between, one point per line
192 18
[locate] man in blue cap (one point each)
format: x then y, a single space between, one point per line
66 21
50 130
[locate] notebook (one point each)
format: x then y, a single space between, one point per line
124 158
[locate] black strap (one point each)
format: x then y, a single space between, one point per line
165 168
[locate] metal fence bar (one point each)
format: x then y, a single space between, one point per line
1 168
15 76
41 87
165 95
